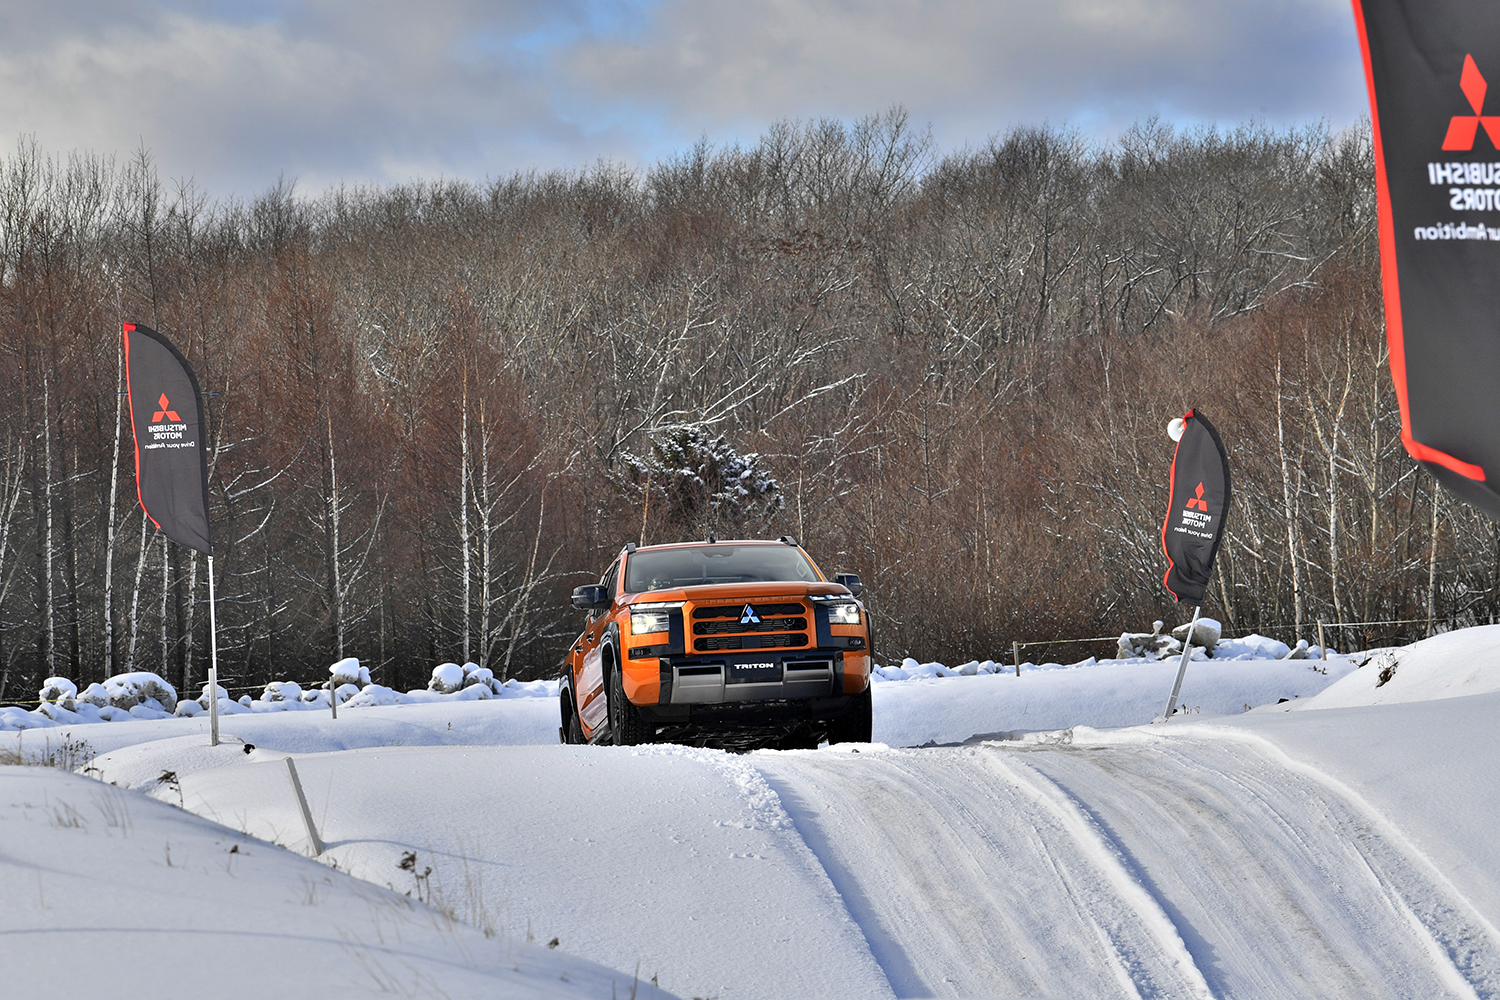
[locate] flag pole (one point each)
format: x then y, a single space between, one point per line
1187 649
213 662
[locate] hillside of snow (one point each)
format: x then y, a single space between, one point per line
1006 836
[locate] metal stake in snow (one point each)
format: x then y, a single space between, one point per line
1187 650
307 820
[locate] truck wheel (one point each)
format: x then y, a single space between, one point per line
855 726
625 722
575 727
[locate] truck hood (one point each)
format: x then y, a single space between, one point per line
739 592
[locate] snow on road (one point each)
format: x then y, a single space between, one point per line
969 880
676 861
110 894
1152 866
1279 884
1345 852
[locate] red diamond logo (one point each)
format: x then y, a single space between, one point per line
165 412
1463 128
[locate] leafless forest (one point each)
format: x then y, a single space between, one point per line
436 408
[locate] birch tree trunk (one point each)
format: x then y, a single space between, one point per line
110 524
135 597
331 529
486 566
1289 511
463 509
48 545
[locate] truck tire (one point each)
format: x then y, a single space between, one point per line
855 726
625 723
575 727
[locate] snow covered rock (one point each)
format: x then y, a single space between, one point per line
204 696
377 694
60 690
95 694
1251 647
1297 652
1152 645
188 708
126 691
348 671
1206 633
446 678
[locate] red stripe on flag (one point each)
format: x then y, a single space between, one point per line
130 402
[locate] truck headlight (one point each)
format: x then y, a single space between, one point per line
645 622
844 613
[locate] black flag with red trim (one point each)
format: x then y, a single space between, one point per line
1198 499
1437 183
171 458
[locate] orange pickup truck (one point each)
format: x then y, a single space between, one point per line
736 644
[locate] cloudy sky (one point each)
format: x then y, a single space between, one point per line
236 93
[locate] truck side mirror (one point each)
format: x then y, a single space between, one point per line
850 581
591 597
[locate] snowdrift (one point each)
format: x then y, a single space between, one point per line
1451 665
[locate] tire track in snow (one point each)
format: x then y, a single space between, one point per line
970 877
1463 943
1281 883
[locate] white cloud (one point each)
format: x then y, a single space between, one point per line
985 64
328 90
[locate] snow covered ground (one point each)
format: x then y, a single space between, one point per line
1008 836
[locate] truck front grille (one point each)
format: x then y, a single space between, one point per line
741 628
736 610
758 641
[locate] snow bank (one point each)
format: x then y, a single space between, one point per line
1451 665
153 901
143 695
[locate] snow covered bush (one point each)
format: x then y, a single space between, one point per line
446 678
277 691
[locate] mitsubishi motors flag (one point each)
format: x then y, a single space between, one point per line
1197 500
171 459
1437 183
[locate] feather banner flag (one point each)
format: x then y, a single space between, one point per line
171 457
1437 184
1197 502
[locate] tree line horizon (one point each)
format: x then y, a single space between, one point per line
435 408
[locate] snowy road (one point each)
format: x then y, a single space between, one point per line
1154 867
1132 863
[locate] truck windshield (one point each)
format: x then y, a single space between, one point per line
695 565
